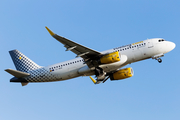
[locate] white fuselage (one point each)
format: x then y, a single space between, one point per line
132 52
104 65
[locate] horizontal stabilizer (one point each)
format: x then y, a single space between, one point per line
17 73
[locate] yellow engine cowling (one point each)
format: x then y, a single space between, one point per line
122 74
110 58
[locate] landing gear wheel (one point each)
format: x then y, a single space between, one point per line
159 60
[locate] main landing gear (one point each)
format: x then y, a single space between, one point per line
100 74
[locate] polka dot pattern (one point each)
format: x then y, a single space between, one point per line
21 62
37 73
40 75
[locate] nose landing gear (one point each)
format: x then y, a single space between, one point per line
159 60
157 57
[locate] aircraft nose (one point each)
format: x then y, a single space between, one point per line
171 46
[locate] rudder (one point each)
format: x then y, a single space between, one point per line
21 62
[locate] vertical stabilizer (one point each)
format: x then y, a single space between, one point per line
21 62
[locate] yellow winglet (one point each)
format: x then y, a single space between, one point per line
94 81
51 33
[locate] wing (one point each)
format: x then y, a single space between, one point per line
79 50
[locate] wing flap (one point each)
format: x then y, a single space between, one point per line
17 73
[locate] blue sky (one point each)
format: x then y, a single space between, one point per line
151 94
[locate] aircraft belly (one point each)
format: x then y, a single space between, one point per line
86 71
67 74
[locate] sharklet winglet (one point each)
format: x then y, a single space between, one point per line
94 81
50 32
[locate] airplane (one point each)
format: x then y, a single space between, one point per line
88 62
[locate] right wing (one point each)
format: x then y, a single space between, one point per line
79 50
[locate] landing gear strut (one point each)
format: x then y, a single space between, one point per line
100 74
157 57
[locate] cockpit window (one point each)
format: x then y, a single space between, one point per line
161 40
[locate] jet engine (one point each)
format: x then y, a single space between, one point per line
110 58
122 74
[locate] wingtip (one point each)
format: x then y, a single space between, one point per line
94 81
50 32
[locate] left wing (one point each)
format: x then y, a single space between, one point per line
79 50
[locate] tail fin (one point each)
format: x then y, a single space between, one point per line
21 62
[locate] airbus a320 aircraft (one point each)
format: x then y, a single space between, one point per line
88 62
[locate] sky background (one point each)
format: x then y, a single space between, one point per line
153 93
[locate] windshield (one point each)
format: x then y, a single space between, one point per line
161 40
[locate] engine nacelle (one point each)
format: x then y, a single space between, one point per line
122 74
110 58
